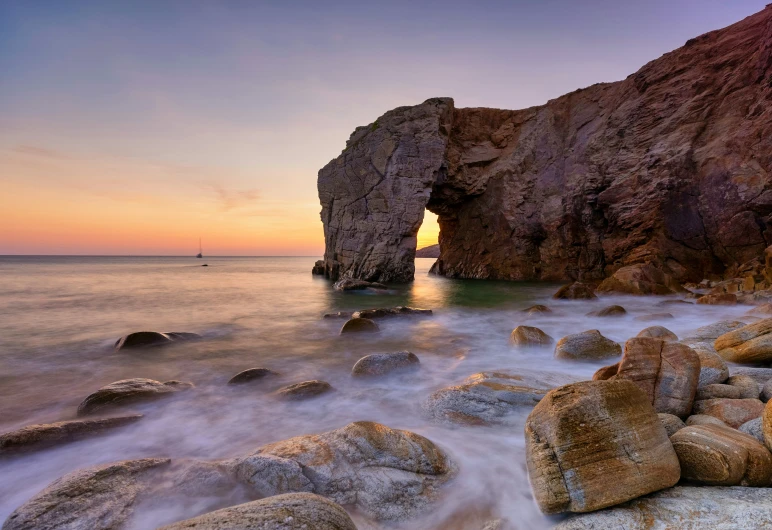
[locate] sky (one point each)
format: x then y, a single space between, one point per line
134 128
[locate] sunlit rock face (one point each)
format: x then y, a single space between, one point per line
671 166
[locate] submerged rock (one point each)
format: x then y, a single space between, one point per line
250 375
747 345
349 284
684 508
537 309
399 311
721 456
291 511
530 336
129 391
385 363
586 345
385 473
610 311
658 332
35 437
148 339
359 325
594 444
304 390
576 291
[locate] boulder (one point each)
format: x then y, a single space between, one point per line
35 437
668 372
359 325
580 435
291 511
684 508
658 332
530 336
490 397
129 391
733 412
387 312
651 317
758 374
576 291
713 369
304 390
672 424
721 456
318 268
149 339
718 299
610 311
640 279
537 309
747 345
387 474
766 391
586 345
349 284
749 388
713 331
753 428
703 419
250 375
99 498
607 372
718 391
384 363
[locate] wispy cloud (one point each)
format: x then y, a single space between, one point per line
32 150
230 199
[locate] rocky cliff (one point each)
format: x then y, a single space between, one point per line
670 166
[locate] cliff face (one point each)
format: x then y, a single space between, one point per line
671 166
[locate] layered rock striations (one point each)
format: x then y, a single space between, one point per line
670 166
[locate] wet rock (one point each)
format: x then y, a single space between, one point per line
586 345
148 339
339 314
703 419
658 332
581 434
718 391
733 412
304 390
530 336
385 473
753 428
385 363
359 325
713 331
668 372
718 299
129 391
640 279
685 508
349 284
318 268
36 437
576 291
291 511
399 311
610 311
721 456
747 345
674 302
99 498
749 388
250 375
653 317
672 424
537 309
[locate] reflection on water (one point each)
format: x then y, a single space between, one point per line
62 315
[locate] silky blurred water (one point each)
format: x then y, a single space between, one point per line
60 316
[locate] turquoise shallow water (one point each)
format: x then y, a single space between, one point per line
61 316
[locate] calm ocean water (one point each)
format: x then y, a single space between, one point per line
61 316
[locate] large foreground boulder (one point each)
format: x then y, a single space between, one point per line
291 511
586 345
386 473
640 279
594 444
747 345
668 372
35 437
129 391
722 456
684 508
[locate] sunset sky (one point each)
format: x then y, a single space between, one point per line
135 127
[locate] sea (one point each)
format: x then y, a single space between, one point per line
60 318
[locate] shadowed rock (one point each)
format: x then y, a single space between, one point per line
36 437
304 390
610 311
127 392
718 299
251 375
537 309
291 511
384 363
581 435
359 325
349 284
576 291
672 424
148 339
640 279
